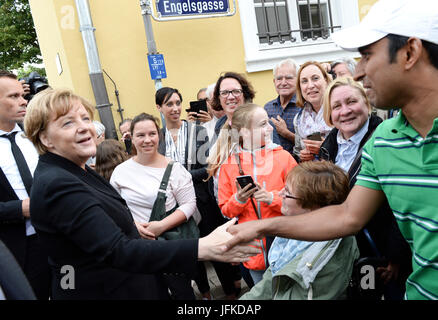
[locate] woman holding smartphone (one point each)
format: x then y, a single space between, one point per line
255 155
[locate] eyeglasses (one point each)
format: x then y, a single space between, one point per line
286 194
235 92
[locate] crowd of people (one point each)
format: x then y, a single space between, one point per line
316 181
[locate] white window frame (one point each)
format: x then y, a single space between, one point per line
260 57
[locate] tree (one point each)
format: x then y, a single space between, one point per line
18 39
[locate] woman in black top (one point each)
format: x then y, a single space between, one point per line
95 251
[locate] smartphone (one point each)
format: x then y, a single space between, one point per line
245 180
315 136
128 145
196 106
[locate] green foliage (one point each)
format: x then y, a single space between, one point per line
18 39
25 71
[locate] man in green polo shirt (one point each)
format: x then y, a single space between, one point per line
398 42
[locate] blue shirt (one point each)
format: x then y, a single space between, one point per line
274 109
347 149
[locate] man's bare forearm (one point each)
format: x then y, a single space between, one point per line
319 225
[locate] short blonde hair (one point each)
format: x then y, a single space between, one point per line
317 184
45 105
300 99
340 82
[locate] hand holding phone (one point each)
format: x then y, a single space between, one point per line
245 180
316 136
245 188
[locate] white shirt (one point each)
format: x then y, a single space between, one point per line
139 184
209 126
177 151
10 169
347 149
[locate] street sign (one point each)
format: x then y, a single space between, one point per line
156 66
171 8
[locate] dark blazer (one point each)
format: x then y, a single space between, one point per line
84 223
12 222
13 282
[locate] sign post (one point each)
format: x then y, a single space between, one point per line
156 66
176 10
192 9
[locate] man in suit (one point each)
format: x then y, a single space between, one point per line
17 163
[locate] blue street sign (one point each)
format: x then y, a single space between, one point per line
169 8
156 66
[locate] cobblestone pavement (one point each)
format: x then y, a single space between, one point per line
215 285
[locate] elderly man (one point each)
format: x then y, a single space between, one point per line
17 163
343 67
398 42
282 110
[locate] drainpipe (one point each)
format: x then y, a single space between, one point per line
103 105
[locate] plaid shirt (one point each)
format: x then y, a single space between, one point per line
274 109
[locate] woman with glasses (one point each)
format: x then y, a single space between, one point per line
309 124
348 109
302 270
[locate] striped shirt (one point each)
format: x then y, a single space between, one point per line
398 161
177 152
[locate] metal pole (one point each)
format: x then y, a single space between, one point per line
120 109
103 105
146 12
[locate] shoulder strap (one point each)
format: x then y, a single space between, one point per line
165 180
236 155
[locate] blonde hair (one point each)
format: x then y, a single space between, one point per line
229 136
341 82
300 99
45 105
318 184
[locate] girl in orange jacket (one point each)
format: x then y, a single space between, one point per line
253 153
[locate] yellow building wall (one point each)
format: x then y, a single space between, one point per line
195 52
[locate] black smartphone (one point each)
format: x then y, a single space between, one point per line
196 106
128 145
315 136
245 180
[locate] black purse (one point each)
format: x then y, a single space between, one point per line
186 230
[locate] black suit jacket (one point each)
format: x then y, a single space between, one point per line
84 223
12 222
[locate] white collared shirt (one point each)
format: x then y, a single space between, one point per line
347 149
10 169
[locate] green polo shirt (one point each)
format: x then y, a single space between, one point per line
398 161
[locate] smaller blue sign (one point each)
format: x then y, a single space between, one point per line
168 8
156 66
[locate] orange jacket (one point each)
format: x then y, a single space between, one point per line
268 166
